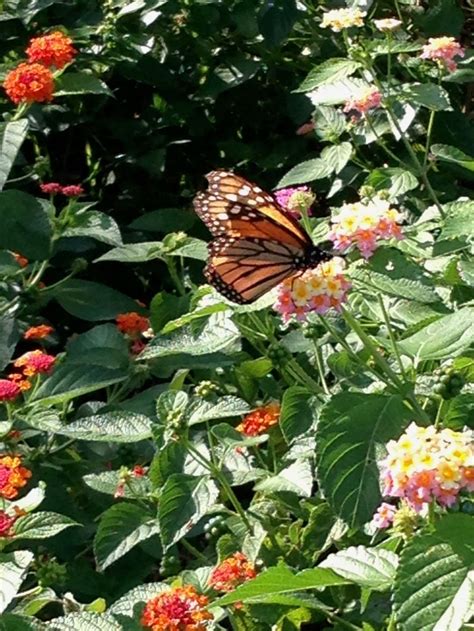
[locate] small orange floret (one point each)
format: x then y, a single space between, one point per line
21 260
55 49
38 332
132 323
260 420
232 572
29 83
12 476
177 609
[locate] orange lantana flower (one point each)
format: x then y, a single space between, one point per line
232 572
55 49
260 420
38 332
29 83
12 476
132 323
177 609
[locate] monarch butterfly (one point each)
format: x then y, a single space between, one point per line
257 244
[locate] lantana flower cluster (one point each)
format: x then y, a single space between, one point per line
54 188
340 19
363 101
296 200
33 81
426 465
177 609
316 290
364 225
443 50
30 364
232 572
13 476
136 328
39 332
260 420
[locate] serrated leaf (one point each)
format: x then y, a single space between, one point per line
328 72
121 527
137 596
397 181
459 220
25 225
297 412
80 83
329 122
447 337
466 272
94 224
92 301
200 411
13 570
118 427
371 568
337 156
184 500
297 478
281 580
429 95
108 481
103 345
434 587
351 430
315 169
84 621
13 135
41 525
447 153
8 338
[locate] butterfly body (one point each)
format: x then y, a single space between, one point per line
257 244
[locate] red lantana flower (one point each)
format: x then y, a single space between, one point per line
38 332
177 609
260 420
72 190
55 49
9 390
6 522
51 188
35 362
29 83
132 323
12 476
232 572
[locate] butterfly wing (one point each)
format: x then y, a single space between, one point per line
242 270
232 205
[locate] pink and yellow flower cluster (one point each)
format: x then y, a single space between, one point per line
364 100
426 465
443 50
340 19
316 290
364 225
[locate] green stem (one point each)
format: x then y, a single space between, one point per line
320 366
174 275
438 413
428 138
381 142
392 336
194 551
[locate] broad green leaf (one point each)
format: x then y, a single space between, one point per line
200 411
151 250
297 478
103 345
315 169
328 72
447 153
171 406
329 122
466 272
121 528
397 181
281 580
229 436
165 220
84 621
233 71
276 20
194 315
383 47
13 135
94 224
184 500
41 525
337 156
429 95
69 381
447 337
14 622
202 337
434 586
352 429
371 568
80 83
92 301
459 220
108 481
32 604
140 595
13 570
8 339
25 225
298 412
460 412
117 427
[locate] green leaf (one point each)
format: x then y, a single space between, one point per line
329 123
328 72
297 412
466 272
447 153
151 250
84 621
137 596
200 411
80 83
276 21
352 429
184 500
460 412
164 220
41 525
297 478
434 583
171 405
70 381
428 95
94 224
103 345
13 135
202 337
8 339
13 570
459 220
447 337
315 169
117 427
397 181
91 301
121 528
25 225
371 568
337 156
107 482
281 580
